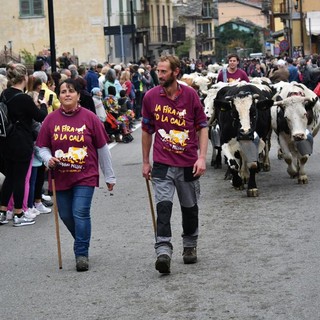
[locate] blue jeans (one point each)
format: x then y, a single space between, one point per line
74 210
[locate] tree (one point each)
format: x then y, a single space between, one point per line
183 49
27 57
230 39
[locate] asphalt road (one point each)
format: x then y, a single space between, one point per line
258 257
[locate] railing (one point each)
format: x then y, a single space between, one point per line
7 55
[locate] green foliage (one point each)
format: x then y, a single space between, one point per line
229 40
183 49
27 57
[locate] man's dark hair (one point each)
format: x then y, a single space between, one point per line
38 64
289 60
112 90
233 55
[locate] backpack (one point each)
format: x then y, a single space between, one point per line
6 125
224 75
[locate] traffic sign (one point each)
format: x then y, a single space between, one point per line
284 45
129 28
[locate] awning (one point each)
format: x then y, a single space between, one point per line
313 23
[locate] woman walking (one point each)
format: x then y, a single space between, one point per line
73 142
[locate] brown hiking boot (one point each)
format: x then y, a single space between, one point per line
82 263
163 263
189 255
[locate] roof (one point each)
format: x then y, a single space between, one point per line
242 22
251 3
189 8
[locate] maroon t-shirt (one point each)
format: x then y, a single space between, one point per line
74 140
238 75
175 124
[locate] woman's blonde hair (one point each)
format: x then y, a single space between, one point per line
16 72
3 82
125 76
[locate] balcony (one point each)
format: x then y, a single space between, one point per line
160 34
280 8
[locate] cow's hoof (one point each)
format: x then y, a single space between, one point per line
292 174
303 180
237 182
217 165
266 167
253 192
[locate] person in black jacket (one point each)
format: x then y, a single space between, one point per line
86 99
17 149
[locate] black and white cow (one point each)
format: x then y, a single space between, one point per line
244 118
296 120
214 129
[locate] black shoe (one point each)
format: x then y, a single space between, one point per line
163 263
189 255
47 203
82 263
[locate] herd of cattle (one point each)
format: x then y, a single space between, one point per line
242 117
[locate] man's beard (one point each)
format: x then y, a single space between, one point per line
168 82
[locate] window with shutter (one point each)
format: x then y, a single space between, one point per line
31 8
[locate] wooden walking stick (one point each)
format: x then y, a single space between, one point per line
56 219
152 210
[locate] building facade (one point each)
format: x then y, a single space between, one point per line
296 26
107 30
199 19
78 27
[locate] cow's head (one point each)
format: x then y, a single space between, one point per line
244 113
294 114
243 108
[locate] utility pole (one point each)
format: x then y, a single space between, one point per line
52 36
132 33
301 28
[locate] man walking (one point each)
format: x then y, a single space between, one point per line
232 72
174 113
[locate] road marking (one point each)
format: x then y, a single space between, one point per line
113 144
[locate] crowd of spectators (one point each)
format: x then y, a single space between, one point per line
114 92
305 70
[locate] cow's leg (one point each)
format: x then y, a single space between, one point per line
249 156
302 177
287 155
233 166
244 172
237 182
228 150
265 153
252 190
216 160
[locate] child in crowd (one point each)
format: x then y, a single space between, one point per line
112 108
97 99
126 108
